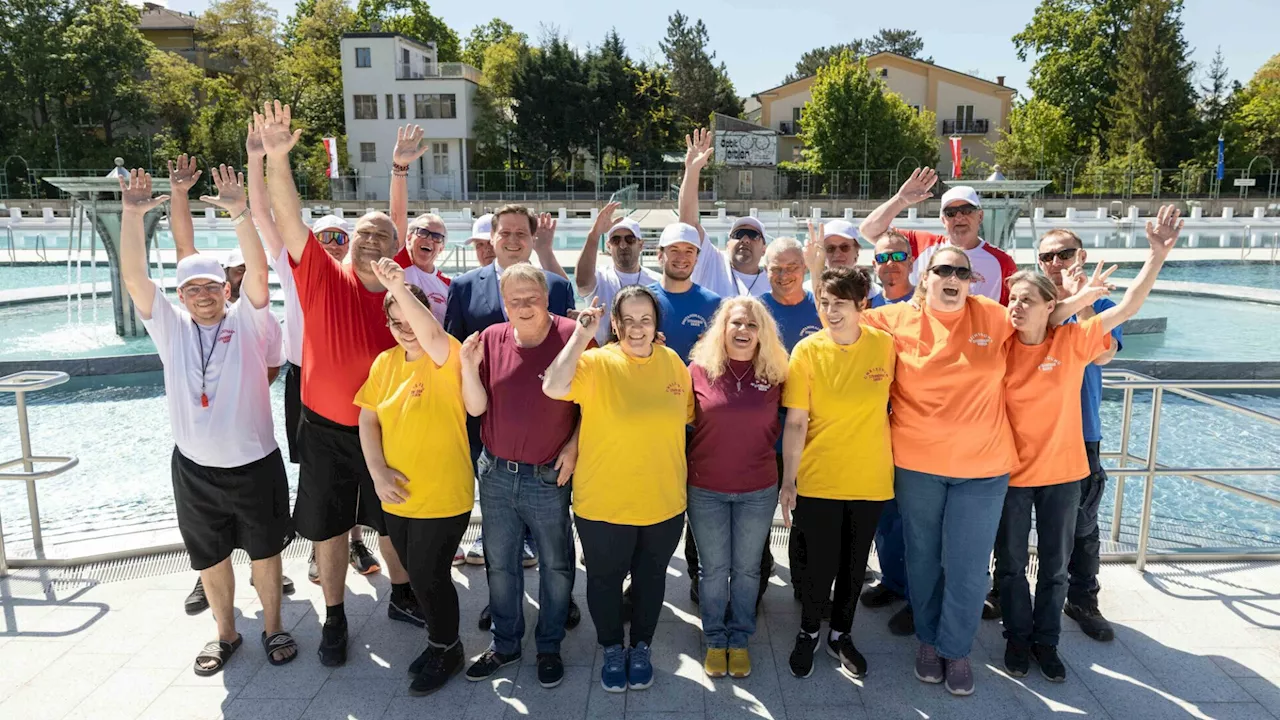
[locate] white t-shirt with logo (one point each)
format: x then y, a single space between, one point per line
435 285
608 283
236 428
292 310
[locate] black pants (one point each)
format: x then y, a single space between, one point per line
1082 568
1056 507
610 552
766 557
830 540
426 547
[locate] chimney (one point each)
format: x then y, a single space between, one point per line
1000 80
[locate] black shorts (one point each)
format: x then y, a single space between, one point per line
292 409
335 490
221 509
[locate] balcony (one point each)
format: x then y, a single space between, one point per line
789 128
428 71
966 127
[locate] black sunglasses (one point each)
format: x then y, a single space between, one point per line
627 239
1064 254
955 210
895 256
744 234
427 233
946 271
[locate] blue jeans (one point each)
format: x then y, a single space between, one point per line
891 548
514 496
1056 508
950 527
731 530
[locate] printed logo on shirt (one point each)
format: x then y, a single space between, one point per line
416 390
876 374
694 320
809 330
980 339
675 389
761 385
436 299
225 337
1050 362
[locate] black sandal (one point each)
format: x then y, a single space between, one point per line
276 642
218 651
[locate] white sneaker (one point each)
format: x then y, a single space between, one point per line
475 554
459 557
528 557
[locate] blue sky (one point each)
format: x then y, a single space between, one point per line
760 40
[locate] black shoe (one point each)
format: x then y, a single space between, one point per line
801 659
439 665
550 670
1017 659
1050 664
880 596
286 585
313 570
991 606
333 644
1091 621
490 662
486 619
404 608
851 661
196 602
574 617
362 561
903 622
693 589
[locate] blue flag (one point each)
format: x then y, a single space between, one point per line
1221 153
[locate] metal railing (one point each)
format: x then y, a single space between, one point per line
966 127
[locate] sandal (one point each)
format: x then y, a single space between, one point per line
218 651
276 642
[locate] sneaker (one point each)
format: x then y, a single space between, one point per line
475 553
903 622
959 677
574 617
716 664
739 663
851 661
333 644
550 669
490 662
991 606
440 665
928 664
1050 664
528 557
801 660
613 674
405 608
880 596
639 667
313 570
286 584
486 619
1091 621
460 557
196 602
362 561
1017 659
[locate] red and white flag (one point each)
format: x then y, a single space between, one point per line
955 156
331 147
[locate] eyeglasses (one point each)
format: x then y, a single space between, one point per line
955 210
428 233
328 237
1064 255
895 256
946 271
195 291
745 234
785 269
842 248
623 240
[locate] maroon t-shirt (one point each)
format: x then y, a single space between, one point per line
734 431
523 424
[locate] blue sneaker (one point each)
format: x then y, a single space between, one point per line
613 676
639 668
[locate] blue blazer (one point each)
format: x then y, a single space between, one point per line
474 301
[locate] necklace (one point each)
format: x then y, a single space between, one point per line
205 360
634 281
752 286
738 377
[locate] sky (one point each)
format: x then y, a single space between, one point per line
760 40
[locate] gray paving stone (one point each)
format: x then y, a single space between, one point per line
759 695
189 703
1265 691
567 701
890 690
351 698
54 691
23 659
679 684
265 709
123 696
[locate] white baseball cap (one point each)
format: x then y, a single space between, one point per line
482 228
200 267
625 224
235 258
680 233
961 194
331 222
840 228
748 221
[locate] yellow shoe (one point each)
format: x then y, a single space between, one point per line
739 662
715 665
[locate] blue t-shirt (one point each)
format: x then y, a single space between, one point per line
795 322
880 300
685 316
1091 388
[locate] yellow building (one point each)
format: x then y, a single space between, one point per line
967 106
175 32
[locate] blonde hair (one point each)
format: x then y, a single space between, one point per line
1041 283
522 272
779 246
770 363
921 294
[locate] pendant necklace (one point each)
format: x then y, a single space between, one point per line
738 377
205 360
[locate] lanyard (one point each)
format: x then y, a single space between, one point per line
205 360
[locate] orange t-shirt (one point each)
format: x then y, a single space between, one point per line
947 409
1042 394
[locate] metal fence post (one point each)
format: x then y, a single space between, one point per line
1118 512
1148 492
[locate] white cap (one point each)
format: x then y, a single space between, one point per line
482 228
330 222
961 193
200 267
680 233
625 224
750 222
235 258
841 228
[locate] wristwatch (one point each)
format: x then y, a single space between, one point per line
244 215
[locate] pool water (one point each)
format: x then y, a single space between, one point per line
1247 274
1206 329
29 276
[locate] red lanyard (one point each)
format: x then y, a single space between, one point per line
205 360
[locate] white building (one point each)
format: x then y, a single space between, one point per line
390 80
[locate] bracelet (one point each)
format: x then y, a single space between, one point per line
400 168
244 215
400 173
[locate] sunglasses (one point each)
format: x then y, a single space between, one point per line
946 271
329 237
194 291
1064 255
965 210
895 256
623 240
745 234
841 248
427 233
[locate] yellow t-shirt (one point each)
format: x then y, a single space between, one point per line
847 451
631 462
424 430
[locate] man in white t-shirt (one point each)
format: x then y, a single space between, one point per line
229 482
625 246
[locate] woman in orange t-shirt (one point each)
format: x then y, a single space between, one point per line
1046 364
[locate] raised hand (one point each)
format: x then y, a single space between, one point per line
472 351
409 145
918 187
814 255
183 175
230 186
388 272
698 150
135 196
1163 233
391 486
277 139
604 219
253 139
544 236
1074 280
589 319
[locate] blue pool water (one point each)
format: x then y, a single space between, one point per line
1247 274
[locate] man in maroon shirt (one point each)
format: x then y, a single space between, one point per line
530 449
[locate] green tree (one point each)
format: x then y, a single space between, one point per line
31 50
243 36
173 87
901 42
1258 114
412 18
495 119
702 87
482 37
1039 135
311 69
109 54
651 123
852 112
550 98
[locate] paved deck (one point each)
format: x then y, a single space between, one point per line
1199 641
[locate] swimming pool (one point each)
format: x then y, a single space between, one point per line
1247 274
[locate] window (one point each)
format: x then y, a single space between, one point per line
363 58
745 179
448 106
916 108
366 106
964 114
391 106
439 158
434 106
795 115
400 103
368 152
884 72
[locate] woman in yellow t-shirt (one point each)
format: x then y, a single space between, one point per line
423 478
629 485
837 464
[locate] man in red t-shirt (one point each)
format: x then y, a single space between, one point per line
345 330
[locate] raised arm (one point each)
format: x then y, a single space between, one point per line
182 177
917 188
230 197
136 202
431 335
1162 235
277 140
815 260
558 380
544 244
793 435
584 276
474 398
1082 291
409 147
259 200
697 154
